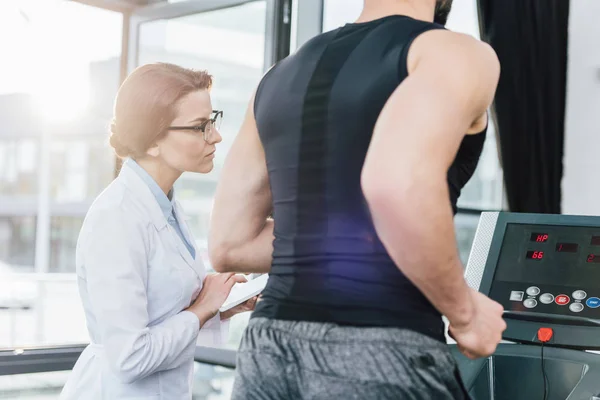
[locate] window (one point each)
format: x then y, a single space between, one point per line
339 12
54 158
18 167
64 232
81 167
465 226
17 242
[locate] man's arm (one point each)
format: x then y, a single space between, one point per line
241 236
451 83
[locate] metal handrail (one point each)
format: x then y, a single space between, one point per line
63 358
42 359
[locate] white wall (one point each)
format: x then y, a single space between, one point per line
581 180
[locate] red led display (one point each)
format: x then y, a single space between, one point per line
534 255
567 247
539 237
593 258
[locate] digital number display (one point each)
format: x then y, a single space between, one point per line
567 247
594 258
539 237
535 255
595 241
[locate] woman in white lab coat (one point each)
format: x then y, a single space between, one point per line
146 296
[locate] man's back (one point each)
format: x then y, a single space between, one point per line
315 112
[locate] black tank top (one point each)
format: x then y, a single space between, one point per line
315 111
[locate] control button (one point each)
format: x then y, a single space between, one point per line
593 302
576 307
547 298
530 303
562 299
579 295
516 295
533 291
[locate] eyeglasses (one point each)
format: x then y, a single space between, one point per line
208 127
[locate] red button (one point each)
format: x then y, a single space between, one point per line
562 299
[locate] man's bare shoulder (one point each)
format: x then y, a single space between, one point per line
452 51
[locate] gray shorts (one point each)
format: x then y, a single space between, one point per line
306 360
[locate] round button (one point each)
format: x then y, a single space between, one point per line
547 298
576 307
562 299
533 291
530 303
579 295
593 302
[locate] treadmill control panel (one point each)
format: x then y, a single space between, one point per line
545 271
549 269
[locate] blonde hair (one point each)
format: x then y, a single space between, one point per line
147 102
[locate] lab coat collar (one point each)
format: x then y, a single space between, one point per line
141 191
165 202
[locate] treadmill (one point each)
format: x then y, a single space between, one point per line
545 271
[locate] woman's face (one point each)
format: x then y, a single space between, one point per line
186 149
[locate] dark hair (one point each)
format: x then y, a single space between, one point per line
442 11
147 102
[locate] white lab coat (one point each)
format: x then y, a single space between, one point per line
135 278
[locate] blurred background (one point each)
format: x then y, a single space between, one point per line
61 65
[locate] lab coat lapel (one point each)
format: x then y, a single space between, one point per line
182 219
185 253
196 263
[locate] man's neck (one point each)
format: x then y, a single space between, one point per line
417 9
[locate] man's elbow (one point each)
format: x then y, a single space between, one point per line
372 187
219 254
379 191
393 197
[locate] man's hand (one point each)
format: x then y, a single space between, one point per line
480 336
246 306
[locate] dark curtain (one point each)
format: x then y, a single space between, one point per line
530 38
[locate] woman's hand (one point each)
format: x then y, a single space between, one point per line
246 306
215 289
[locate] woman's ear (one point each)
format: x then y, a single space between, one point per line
153 151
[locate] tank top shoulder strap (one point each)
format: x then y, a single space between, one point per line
419 29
